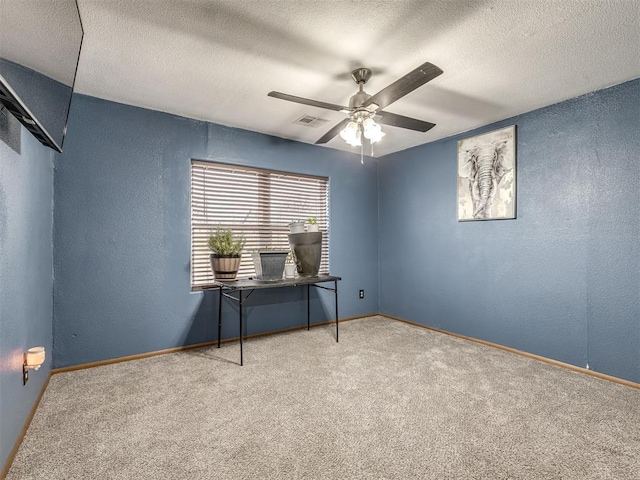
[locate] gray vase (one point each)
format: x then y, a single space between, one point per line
307 248
269 264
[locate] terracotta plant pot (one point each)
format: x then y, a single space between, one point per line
224 267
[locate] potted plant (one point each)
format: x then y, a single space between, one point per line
290 266
226 251
312 224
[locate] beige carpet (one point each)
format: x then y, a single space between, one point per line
389 401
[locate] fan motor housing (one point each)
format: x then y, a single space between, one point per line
358 99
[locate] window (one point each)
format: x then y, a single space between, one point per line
255 202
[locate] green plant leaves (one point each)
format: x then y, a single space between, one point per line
222 242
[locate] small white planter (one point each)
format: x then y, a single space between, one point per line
296 227
312 227
290 270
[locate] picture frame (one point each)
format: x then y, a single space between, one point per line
487 176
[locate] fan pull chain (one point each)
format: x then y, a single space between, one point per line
362 154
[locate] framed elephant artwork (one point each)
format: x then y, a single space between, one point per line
487 176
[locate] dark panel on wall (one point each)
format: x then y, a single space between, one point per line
47 102
562 279
122 232
10 131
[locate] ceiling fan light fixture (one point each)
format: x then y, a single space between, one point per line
368 123
363 107
349 132
372 130
356 141
359 126
376 135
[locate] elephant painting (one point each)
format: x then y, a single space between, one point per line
486 176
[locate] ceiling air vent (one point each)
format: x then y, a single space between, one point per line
310 121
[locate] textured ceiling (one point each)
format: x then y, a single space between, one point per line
216 60
48 23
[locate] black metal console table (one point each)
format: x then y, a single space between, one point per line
227 288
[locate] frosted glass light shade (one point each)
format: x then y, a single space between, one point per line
35 357
372 130
349 132
352 134
368 123
356 141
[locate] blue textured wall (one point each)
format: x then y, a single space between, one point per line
26 277
562 280
122 232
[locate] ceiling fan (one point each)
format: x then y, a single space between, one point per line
364 107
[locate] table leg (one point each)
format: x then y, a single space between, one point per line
219 314
308 307
336 290
240 307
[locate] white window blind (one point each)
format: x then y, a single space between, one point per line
254 202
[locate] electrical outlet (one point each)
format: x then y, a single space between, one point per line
361 294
